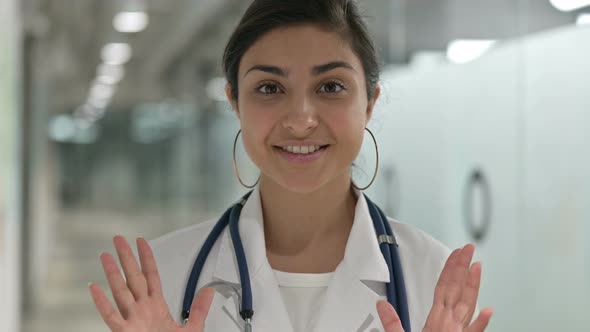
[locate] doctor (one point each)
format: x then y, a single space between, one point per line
303 81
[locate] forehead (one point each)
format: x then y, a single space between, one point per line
299 47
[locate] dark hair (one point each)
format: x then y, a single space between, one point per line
340 16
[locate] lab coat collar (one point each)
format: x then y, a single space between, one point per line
269 308
251 229
362 253
348 301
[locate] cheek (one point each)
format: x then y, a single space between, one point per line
355 139
254 120
254 145
349 125
257 124
348 131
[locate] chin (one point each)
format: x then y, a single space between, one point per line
299 185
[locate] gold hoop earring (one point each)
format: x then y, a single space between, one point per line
236 166
376 166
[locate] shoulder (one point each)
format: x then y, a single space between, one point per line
417 241
418 246
175 253
423 258
181 239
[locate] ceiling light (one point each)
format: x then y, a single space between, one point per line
109 73
98 103
465 50
583 19
101 91
116 53
130 21
89 112
216 89
62 128
569 5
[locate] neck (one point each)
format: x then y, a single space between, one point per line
301 229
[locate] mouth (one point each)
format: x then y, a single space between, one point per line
301 150
301 155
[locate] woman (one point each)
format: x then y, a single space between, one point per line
303 81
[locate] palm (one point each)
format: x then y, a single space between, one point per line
140 302
455 299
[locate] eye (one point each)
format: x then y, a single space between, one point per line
332 87
268 88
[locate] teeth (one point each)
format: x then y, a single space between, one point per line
301 149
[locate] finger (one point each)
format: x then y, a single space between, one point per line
480 324
445 279
135 278
457 276
111 317
466 306
200 309
389 318
460 275
149 267
121 293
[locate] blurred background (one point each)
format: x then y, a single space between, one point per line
113 120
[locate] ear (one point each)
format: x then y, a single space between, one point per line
230 98
372 103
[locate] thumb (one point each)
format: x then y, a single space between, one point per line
389 318
200 309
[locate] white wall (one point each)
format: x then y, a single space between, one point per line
9 229
521 115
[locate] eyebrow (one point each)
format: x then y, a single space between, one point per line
316 70
268 69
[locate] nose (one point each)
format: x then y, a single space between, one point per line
301 118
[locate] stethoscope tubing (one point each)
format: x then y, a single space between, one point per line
200 263
246 310
395 288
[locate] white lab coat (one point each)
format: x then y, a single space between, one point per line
356 286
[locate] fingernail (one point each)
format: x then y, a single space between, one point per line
379 308
89 284
382 309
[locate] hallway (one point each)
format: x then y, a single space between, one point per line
65 305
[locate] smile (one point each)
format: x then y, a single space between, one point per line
302 149
301 154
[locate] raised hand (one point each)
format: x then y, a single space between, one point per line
455 299
139 299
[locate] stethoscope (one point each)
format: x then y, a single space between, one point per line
396 289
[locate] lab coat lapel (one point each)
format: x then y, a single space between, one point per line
349 301
270 313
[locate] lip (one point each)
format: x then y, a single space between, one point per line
300 159
284 144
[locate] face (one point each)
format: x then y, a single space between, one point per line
302 88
